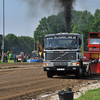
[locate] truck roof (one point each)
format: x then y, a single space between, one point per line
62 34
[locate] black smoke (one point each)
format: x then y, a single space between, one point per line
35 7
68 6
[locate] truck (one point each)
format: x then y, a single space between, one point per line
92 56
66 56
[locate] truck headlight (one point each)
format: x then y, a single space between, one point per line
47 64
74 64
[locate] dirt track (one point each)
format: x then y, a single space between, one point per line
21 81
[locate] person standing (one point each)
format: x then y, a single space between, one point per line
14 57
5 59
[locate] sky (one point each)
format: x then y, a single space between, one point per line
22 16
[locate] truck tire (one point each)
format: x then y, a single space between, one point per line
89 72
49 74
80 70
79 73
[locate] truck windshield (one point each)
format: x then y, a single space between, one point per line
94 41
60 43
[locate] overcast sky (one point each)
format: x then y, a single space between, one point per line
22 18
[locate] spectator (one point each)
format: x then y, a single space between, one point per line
6 58
14 57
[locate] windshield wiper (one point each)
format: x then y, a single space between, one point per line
65 47
71 47
49 47
59 47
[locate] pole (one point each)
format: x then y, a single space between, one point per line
3 30
34 41
34 44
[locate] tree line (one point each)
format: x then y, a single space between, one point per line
18 44
81 22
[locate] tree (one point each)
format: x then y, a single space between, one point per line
50 25
11 43
95 26
18 44
81 22
26 44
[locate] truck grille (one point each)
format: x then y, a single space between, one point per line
60 56
59 64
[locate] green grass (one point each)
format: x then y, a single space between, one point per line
90 95
9 61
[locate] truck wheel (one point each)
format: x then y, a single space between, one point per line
84 70
89 72
79 73
49 74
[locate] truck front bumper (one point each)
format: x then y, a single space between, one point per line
74 68
61 66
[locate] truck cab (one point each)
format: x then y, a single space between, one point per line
63 53
94 45
93 54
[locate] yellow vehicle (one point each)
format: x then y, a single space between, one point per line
41 48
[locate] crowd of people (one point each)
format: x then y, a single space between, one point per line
14 57
5 57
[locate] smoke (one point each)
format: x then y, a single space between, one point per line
68 6
39 7
36 8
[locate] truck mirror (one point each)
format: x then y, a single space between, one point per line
43 44
80 42
0 36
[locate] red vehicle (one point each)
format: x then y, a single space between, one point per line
93 54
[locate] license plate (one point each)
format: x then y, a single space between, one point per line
60 69
19 59
74 68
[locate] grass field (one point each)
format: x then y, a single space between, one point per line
9 61
90 95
